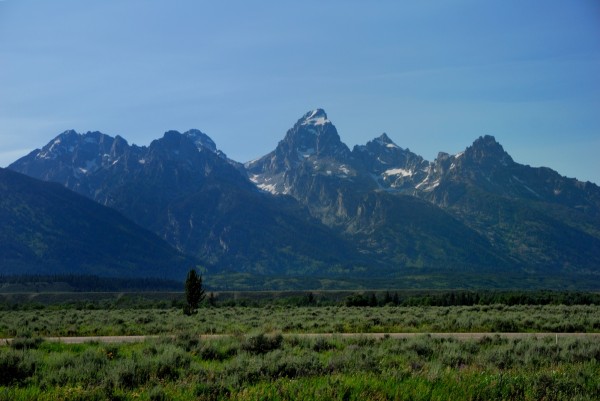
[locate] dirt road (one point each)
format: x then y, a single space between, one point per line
458 336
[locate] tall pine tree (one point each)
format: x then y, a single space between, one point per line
194 293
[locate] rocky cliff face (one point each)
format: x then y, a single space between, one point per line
392 167
533 217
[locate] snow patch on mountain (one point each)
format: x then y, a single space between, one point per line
315 117
526 187
273 185
306 153
46 155
272 188
50 152
427 185
398 171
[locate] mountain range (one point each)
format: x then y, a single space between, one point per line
315 208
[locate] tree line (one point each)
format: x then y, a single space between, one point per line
470 298
91 283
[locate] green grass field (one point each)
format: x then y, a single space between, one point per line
266 354
328 319
271 367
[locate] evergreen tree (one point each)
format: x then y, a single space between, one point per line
310 299
194 293
372 299
387 298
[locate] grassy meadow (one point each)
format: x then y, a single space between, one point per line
283 319
274 367
265 353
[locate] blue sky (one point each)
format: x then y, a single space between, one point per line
433 75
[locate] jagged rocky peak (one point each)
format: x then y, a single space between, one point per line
174 144
487 150
315 117
310 126
171 140
71 156
443 156
192 148
96 137
312 135
68 135
201 140
204 142
487 142
375 144
385 140
394 166
312 147
118 144
81 145
59 145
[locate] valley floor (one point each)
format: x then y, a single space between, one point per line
56 322
304 353
376 336
273 367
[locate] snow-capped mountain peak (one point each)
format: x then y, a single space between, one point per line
315 117
312 135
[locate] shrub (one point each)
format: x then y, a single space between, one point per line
211 352
15 367
187 341
211 392
279 364
26 342
130 373
322 344
157 394
67 368
422 346
504 326
169 362
261 344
